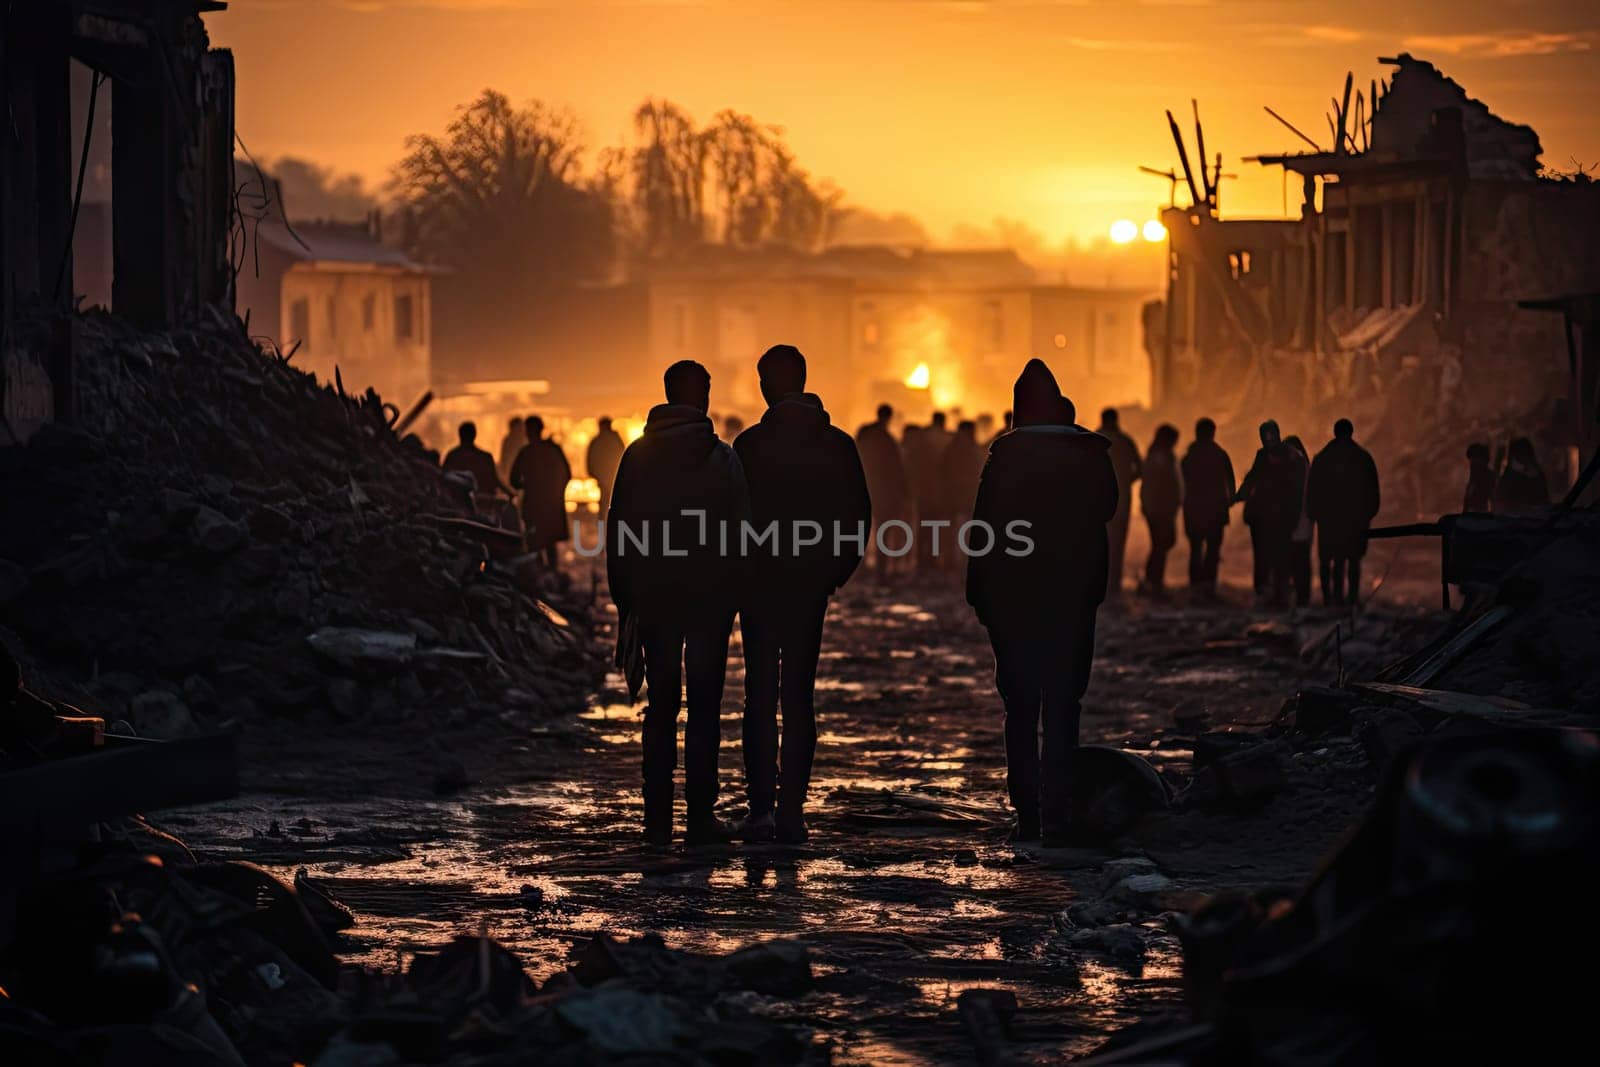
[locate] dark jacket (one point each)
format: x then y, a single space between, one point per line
1208 486
1058 480
1274 488
885 470
802 467
959 471
541 471
1342 497
677 465
1522 487
1161 484
478 463
605 452
1479 496
1125 460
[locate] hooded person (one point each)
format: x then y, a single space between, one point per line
678 487
1208 494
806 481
1127 465
1160 497
1046 494
1272 492
1342 499
541 471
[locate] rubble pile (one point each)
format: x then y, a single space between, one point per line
135 953
219 537
1441 927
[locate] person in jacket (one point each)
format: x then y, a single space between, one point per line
1271 492
1208 494
886 478
924 450
541 471
1300 538
601 460
1125 462
1052 484
959 470
1522 486
668 574
1479 496
1342 500
1160 497
806 476
467 456
510 445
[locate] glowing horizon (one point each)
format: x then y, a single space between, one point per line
954 113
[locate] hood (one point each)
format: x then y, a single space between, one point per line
798 413
1035 398
679 428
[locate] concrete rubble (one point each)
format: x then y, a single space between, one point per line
221 539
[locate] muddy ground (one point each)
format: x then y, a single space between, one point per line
907 892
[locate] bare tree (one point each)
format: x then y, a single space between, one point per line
504 191
668 171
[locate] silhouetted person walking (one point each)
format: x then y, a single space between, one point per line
1125 462
924 451
680 589
959 470
467 456
1160 497
1300 538
601 460
542 472
1479 495
510 445
886 477
806 477
1522 486
1208 494
1039 600
1272 492
1342 500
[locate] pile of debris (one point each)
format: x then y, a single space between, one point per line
1445 926
218 536
135 953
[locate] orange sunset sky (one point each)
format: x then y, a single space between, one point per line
955 112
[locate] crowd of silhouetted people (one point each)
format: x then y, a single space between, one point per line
765 525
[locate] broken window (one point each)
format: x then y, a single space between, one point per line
1368 253
300 322
405 327
1333 275
1403 254
369 312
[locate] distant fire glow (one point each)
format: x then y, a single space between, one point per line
918 378
1153 231
1124 231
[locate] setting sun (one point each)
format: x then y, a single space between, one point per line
1124 231
1153 231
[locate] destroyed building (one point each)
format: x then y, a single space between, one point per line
172 145
342 299
1394 298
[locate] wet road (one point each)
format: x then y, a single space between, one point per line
906 893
